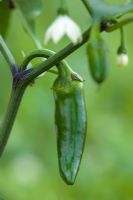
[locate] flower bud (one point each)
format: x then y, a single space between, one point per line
122 59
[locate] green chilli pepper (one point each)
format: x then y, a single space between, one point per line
70 120
97 56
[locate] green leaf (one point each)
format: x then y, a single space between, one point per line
4 18
104 11
29 10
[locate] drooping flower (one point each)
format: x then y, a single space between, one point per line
122 59
63 25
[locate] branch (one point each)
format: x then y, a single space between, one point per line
8 55
55 59
30 75
22 83
45 53
119 24
14 102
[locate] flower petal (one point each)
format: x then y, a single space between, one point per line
72 30
48 34
59 31
122 59
56 30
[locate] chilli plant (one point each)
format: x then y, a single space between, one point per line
68 87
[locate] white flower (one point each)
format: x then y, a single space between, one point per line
63 25
122 59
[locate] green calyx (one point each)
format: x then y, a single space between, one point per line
66 80
122 50
63 9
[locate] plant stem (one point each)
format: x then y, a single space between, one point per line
122 43
63 9
88 6
55 59
45 53
119 24
18 91
7 124
7 54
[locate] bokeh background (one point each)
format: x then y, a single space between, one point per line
29 165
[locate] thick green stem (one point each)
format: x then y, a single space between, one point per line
7 124
46 53
17 93
55 59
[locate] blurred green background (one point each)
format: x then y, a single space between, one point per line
29 166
